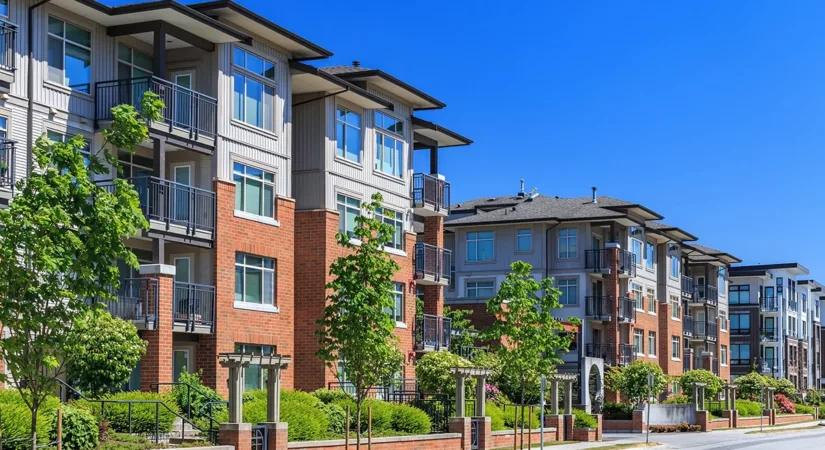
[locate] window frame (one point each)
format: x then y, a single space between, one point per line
650 256
637 294
7 15
677 347
381 132
675 308
739 289
131 64
529 237
723 320
566 288
342 217
651 343
638 349
264 270
739 360
397 219
339 139
64 39
264 184
567 238
723 355
397 310
740 330
265 82
477 240
476 288
650 293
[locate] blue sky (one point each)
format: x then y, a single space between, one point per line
710 113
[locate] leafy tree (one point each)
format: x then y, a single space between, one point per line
432 372
714 383
532 339
104 351
750 386
58 241
612 377
356 327
633 381
463 332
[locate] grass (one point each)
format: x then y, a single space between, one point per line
537 445
784 430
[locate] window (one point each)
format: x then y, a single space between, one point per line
721 278
651 343
723 320
4 127
481 289
739 294
740 354
569 291
54 136
348 134
348 209
637 251
524 240
389 148
254 377
480 246
396 220
69 55
675 308
254 190
397 310
650 255
4 8
135 165
253 99
651 301
675 341
132 63
254 279
638 335
740 323
636 293
674 266
568 243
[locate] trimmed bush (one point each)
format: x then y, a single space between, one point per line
512 417
305 423
331 395
748 408
677 399
80 430
15 420
336 417
293 396
584 420
713 383
496 416
406 419
617 411
143 414
783 404
813 397
803 409
432 372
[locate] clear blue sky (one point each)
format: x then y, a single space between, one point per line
710 113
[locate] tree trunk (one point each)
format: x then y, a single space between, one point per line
34 409
358 423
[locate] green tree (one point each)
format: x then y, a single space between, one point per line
356 327
104 351
432 372
59 239
532 339
633 381
463 332
714 383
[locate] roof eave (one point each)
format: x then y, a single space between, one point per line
312 70
435 103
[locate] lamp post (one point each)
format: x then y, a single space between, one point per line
649 387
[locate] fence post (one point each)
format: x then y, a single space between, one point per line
515 427
346 432
530 430
369 427
130 418
157 423
59 428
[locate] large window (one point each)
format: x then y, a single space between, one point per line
254 190
721 279
740 323
254 377
254 279
396 220
348 209
4 8
348 134
135 165
480 289
723 320
636 246
740 354
69 55
638 336
568 243
739 294
651 343
524 240
673 253
480 246
723 355
651 300
636 293
675 342
650 255
132 63
569 288
675 308
253 100
397 310
389 146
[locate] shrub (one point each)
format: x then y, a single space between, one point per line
617 411
143 414
15 420
331 395
292 396
304 422
803 409
406 419
682 427
633 380
496 416
381 415
813 397
714 383
80 431
336 417
783 404
196 397
677 399
783 386
433 373
512 415
750 386
584 420
748 408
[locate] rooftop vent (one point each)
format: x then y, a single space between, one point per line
356 64
534 193
521 190
594 195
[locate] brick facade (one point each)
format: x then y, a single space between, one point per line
156 366
668 328
434 235
724 339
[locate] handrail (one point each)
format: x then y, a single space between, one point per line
7 148
430 190
8 36
433 261
194 304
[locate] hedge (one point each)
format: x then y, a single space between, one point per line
15 420
803 409
143 414
331 395
80 429
496 416
584 420
406 419
617 411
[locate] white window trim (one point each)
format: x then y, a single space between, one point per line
266 81
652 355
651 260
357 164
478 261
639 262
256 307
482 280
255 217
62 84
530 250
392 135
263 270
559 237
576 279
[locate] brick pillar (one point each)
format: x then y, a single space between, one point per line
555 421
156 365
238 435
703 420
462 425
276 435
612 333
569 421
433 235
485 433
707 361
599 426
638 421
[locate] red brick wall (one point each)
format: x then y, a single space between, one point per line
648 322
447 441
501 439
619 425
794 418
752 421
156 366
233 325
718 424
724 339
667 329
315 251
433 235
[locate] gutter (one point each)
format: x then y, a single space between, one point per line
30 85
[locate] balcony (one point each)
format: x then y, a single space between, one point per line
432 333
740 331
598 262
768 366
714 364
189 120
176 210
430 195
768 335
687 287
6 165
687 326
137 302
599 308
432 265
705 331
687 360
627 354
769 304
194 308
607 352
8 66
705 295
627 310
793 305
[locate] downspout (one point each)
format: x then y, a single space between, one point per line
30 83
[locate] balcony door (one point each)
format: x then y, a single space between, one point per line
183 98
180 192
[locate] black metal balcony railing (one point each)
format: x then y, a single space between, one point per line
432 261
137 300
767 365
769 304
8 35
627 354
432 332
687 286
627 263
194 305
429 190
607 352
705 330
596 260
471 352
687 359
697 362
705 294
768 335
626 310
186 110
740 331
793 305
6 162
715 366
599 307
687 326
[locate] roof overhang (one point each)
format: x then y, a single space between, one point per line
173 13
435 134
308 79
638 210
793 268
674 233
300 48
698 255
747 273
418 99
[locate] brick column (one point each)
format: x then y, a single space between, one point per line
156 365
485 433
462 425
569 421
611 289
707 361
599 426
555 421
638 421
238 435
276 435
433 235
703 420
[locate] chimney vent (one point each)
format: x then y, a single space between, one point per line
356 64
594 195
521 191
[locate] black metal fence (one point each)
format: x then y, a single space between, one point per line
705 330
769 304
627 310
175 203
432 261
432 332
627 354
687 286
471 352
137 300
705 294
605 351
596 260
599 307
8 36
186 110
768 334
429 190
627 263
194 305
687 326
6 162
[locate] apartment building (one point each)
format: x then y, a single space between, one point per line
774 316
811 290
641 290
